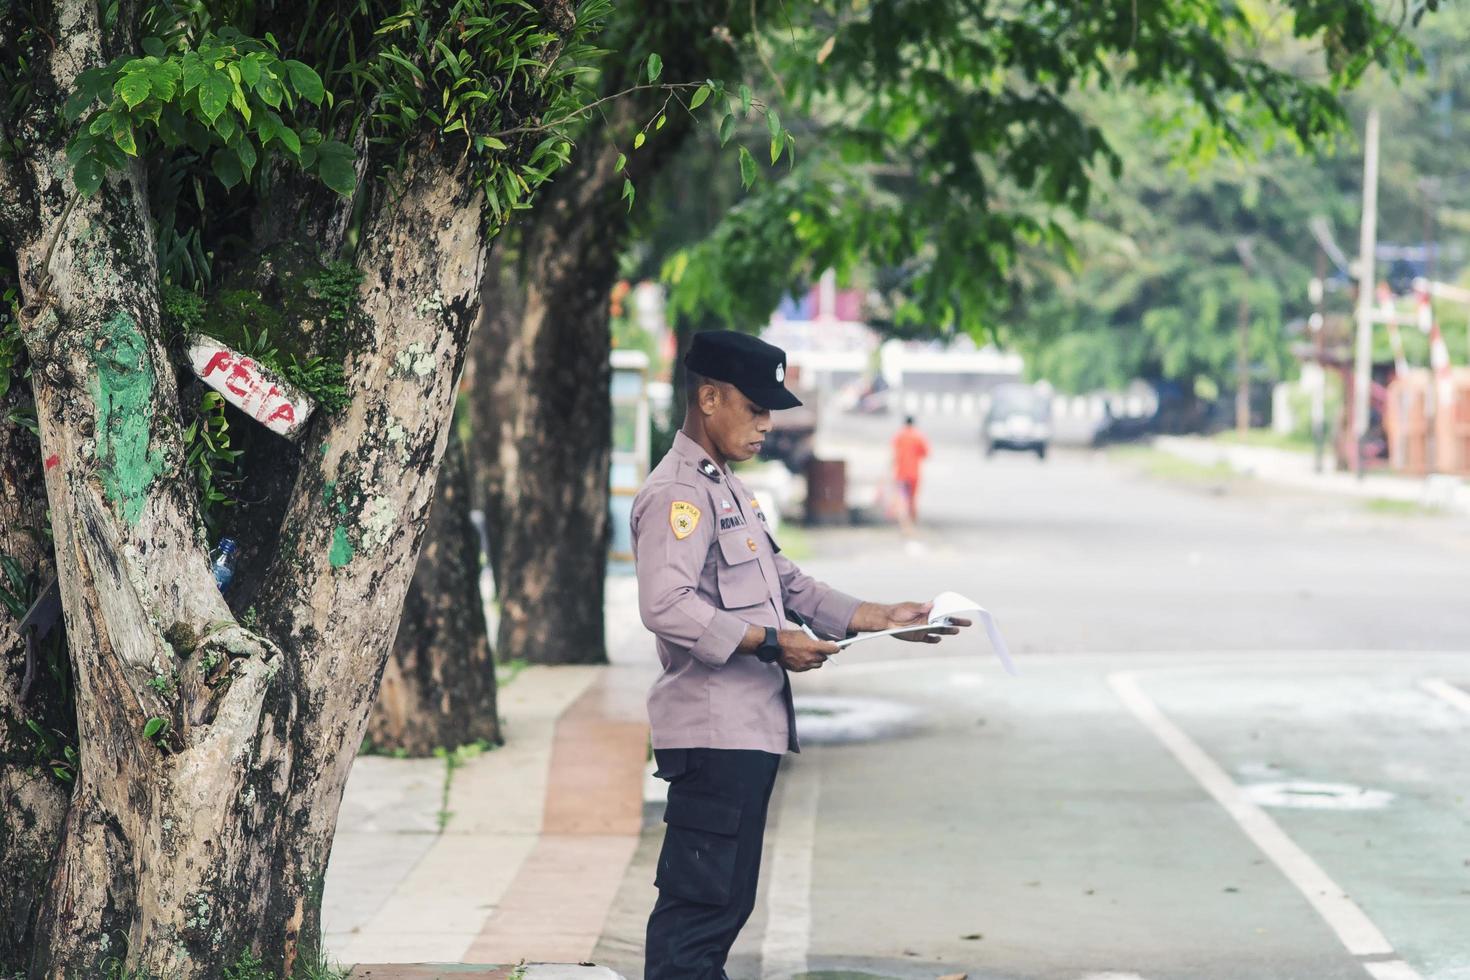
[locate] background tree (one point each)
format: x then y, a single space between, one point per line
951 139
165 168
542 417
1155 284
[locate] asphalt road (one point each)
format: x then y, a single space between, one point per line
1237 748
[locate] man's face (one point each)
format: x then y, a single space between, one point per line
735 424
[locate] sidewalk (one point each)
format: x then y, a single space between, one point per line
512 856
1296 469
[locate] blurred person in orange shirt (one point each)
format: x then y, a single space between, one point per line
910 448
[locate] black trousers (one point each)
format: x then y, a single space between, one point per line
711 858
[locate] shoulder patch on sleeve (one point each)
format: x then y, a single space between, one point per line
683 518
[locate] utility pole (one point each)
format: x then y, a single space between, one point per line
1318 325
1242 341
1367 274
1429 186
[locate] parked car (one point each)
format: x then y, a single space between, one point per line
1019 418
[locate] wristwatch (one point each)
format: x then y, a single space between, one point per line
770 650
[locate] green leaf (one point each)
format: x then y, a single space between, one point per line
655 67
659 122
289 139
747 168
226 166
237 99
77 104
306 82
133 88
745 99
164 80
267 125
154 726
245 150
773 123
250 70
777 144
620 164
335 166
154 46
628 192
269 90
14 573
195 71
226 126
122 135
638 140
87 175
214 95
700 94
727 128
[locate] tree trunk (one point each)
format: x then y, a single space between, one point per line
32 799
213 757
548 447
439 685
547 441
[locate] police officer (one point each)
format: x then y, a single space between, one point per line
715 589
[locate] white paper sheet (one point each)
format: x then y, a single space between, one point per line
949 606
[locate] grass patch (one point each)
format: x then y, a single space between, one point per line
453 759
509 671
1401 508
794 542
1266 438
1166 466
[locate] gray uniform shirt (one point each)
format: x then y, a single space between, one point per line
707 567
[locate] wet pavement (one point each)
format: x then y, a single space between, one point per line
1236 750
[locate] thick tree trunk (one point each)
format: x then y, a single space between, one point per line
32 800
163 834
208 836
546 441
351 537
550 442
439 685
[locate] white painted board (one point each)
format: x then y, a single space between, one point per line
250 387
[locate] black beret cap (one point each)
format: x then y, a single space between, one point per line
756 368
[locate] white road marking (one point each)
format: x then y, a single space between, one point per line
1391 970
1342 914
1444 689
789 896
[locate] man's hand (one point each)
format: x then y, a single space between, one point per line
800 652
873 617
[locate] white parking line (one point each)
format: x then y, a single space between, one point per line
1441 688
1391 970
789 896
1342 914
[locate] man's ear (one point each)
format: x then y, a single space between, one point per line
709 398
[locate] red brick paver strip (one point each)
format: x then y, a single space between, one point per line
555 908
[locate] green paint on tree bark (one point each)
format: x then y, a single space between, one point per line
341 552
123 393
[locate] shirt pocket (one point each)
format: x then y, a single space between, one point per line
741 581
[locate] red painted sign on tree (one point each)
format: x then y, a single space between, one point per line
250 387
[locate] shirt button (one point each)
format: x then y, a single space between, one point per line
751 543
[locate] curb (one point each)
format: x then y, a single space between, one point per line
472 971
